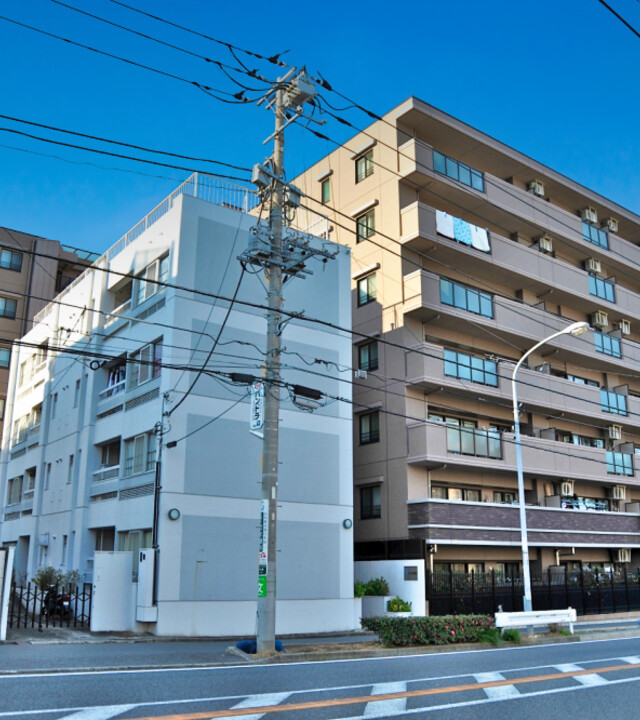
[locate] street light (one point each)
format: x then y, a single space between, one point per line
577 328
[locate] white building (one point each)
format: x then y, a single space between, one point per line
80 444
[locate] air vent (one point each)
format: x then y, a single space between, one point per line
600 319
566 487
615 432
536 187
610 224
592 265
590 215
623 555
624 326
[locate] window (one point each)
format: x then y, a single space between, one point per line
619 463
364 166
14 490
70 471
613 402
54 405
582 381
132 541
468 367
466 494
458 171
584 503
116 379
20 429
506 498
105 538
30 482
157 271
368 356
508 570
36 416
110 454
365 225
325 191
139 454
463 438
146 364
2 402
594 235
367 291
458 567
585 440
370 428
370 502
607 344
601 288
47 477
5 357
465 298
10 260
65 544
8 308
76 394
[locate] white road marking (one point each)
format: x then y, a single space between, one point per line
631 659
502 691
384 708
590 679
257 701
99 713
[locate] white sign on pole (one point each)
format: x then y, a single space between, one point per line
256 421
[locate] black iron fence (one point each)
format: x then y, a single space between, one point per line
588 591
57 606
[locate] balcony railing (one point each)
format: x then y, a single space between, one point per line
106 473
112 390
113 316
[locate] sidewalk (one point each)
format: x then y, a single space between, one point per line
55 649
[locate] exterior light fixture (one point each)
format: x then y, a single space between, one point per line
173 514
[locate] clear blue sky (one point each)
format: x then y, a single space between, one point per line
556 79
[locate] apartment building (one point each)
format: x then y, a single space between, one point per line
32 271
104 420
465 254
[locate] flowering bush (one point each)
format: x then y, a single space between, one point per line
442 630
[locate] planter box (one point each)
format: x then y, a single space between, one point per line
374 605
398 614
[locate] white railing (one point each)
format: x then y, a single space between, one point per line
113 315
106 473
204 187
320 228
112 390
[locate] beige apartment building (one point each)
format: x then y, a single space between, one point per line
33 270
465 254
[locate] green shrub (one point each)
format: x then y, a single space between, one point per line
489 635
397 604
511 635
441 630
377 586
47 576
358 589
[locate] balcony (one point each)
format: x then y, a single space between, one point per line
112 390
539 390
440 520
427 446
520 324
536 271
106 473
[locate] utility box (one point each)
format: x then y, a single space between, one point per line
146 611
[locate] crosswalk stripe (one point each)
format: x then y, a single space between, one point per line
503 691
384 708
589 679
257 701
99 713
631 659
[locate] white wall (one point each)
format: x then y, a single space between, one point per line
412 591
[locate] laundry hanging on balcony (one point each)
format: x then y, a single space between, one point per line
462 231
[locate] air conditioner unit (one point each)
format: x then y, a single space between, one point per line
536 187
590 215
615 432
593 265
617 492
623 555
566 487
599 319
624 326
545 243
610 224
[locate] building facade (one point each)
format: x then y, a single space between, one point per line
105 417
465 254
32 271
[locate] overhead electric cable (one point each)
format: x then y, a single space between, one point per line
622 20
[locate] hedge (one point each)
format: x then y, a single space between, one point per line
440 630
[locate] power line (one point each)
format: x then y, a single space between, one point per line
622 20
124 144
238 97
274 59
119 155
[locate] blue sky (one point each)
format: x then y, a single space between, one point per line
554 79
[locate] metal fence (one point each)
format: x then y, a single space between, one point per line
30 607
589 592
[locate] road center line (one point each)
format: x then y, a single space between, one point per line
363 699
588 679
258 701
502 691
384 708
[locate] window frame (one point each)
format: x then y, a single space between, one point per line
11 314
601 288
11 265
143 456
458 171
365 225
478 367
613 402
370 510
363 165
371 434
144 369
467 298
325 191
616 460
607 345
5 352
146 285
367 289
595 235
372 361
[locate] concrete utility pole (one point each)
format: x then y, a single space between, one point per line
282 253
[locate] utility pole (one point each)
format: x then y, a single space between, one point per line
282 253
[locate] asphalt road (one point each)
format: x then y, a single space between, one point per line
586 680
